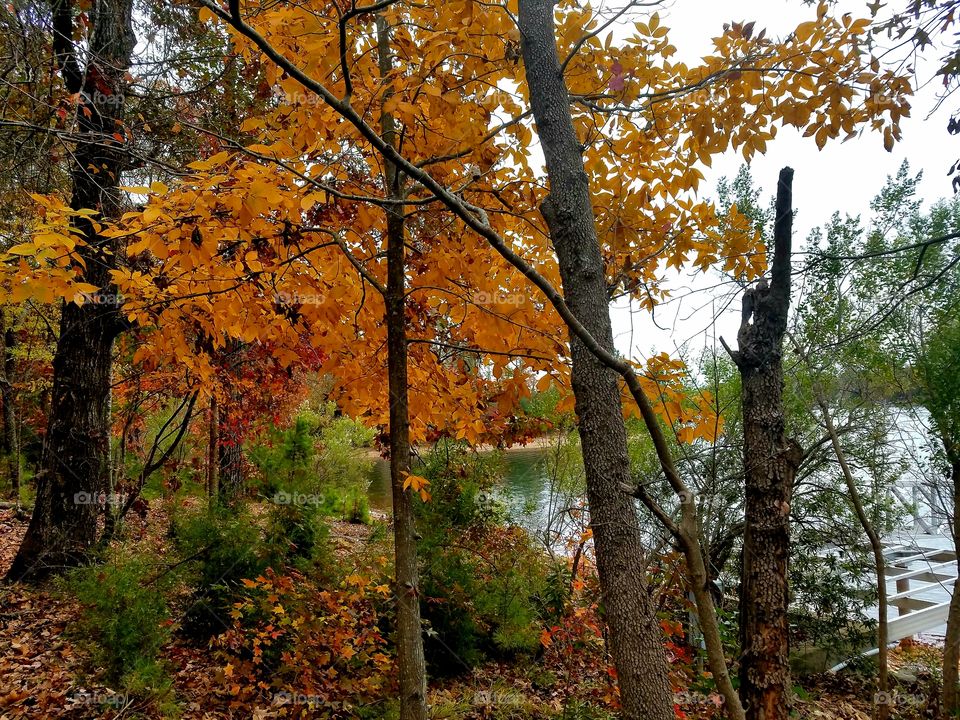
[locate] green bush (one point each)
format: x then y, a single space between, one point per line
350 504
486 588
344 431
317 457
225 547
286 460
126 620
296 535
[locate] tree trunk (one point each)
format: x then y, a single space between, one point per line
9 444
75 478
213 443
951 650
230 481
636 641
77 466
413 673
770 461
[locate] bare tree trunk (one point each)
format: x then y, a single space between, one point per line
951 650
9 443
213 443
413 672
636 641
770 462
77 467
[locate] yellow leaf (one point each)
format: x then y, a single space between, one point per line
805 30
308 201
23 249
416 482
887 141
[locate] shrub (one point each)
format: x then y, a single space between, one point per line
126 620
317 457
225 547
323 649
296 535
486 588
350 504
286 460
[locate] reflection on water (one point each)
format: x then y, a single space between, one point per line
525 487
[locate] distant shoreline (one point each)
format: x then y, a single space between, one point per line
538 443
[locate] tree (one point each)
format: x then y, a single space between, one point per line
770 461
64 521
10 441
635 638
413 673
877 322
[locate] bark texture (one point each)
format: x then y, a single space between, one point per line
9 442
770 461
213 443
230 476
77 459
636 641
411 661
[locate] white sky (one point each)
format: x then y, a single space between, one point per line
842 177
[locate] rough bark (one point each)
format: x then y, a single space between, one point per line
770 462
213 443
9 441
230 479
410 656
77 465
951 649
636 641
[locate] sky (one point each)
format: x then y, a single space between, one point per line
842 177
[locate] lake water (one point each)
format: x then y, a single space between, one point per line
524 488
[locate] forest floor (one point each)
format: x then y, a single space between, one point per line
46 671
